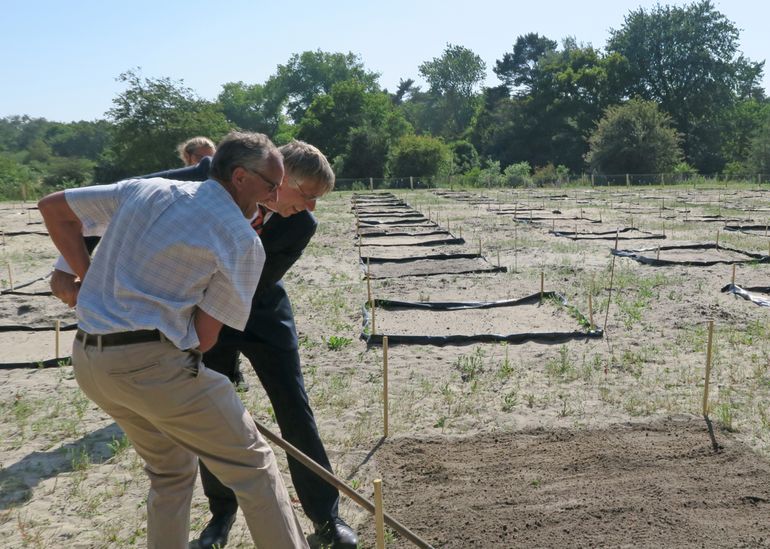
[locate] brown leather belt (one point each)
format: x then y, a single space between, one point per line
119 338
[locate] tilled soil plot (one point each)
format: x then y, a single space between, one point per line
635 485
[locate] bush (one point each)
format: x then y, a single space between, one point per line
418 155
517 175
550 175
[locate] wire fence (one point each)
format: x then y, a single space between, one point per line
586 180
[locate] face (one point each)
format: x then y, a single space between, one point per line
257 187
297 195
198 154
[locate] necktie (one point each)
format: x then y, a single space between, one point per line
259 221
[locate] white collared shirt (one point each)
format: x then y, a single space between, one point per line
168 248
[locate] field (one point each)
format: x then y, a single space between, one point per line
520 442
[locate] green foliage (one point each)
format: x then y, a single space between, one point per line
451 102
252 107
14 175
517 175
464 156
312 74
759 153
418 155
335 343
354 127
151 117
634 138
686 59
550 175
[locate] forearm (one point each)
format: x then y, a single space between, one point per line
66 231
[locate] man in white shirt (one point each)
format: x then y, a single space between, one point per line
177 261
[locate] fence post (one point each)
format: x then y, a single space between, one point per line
592 180
371 184
411 182
628 181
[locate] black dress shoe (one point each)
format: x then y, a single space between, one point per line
336 534
215 533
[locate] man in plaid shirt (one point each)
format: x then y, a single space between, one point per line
155 298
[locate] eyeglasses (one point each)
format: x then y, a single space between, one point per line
306 197
271 185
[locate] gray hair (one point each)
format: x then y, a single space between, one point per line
305 161
245 149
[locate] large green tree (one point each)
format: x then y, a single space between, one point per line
686 59
418 155
635 137
252 107
151 117
451 102
558 96
309 74
354 127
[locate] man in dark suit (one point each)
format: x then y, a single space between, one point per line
270 343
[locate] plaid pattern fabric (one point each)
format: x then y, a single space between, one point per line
168 248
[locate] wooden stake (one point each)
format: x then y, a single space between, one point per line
609 293
657 255
498 258
717 239
58 333
515 249
371 306
379 524
617 237
733 275
590 310
368 281
10 274
708 370
480 248
542 285
385 384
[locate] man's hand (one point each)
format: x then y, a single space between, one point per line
65 286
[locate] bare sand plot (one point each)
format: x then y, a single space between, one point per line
431 266
635 485
527 319
692 255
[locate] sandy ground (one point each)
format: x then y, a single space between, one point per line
587 443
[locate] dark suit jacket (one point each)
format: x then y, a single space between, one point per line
284 238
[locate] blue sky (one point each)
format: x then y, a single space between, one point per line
60 59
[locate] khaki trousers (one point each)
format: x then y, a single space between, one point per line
172 409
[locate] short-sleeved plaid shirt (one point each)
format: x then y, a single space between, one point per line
168 248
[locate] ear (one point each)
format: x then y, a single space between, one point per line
237 177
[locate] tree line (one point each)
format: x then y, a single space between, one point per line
670 92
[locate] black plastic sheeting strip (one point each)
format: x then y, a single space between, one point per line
41 293
19 328
404 222
391 214
746 294
537 337
427 243
375 260
609 235
378 234
746 228
635 255
49 363
22 285
490 269
21 233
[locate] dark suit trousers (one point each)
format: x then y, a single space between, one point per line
280 374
